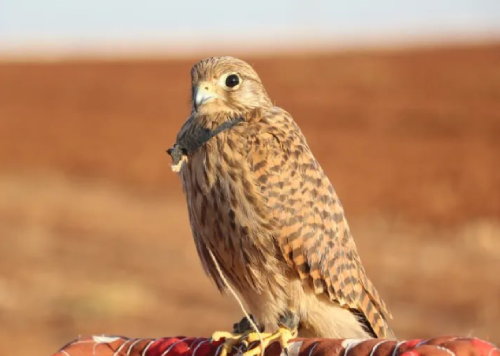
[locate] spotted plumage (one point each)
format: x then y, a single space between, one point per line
259 200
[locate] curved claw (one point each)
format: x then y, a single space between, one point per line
283 335
245 340
230 341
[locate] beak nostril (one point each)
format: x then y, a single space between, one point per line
206 88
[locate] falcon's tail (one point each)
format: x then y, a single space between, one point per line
371 315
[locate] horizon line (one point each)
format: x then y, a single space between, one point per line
178 47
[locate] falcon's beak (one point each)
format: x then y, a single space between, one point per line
203 93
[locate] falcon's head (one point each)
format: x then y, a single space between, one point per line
227 86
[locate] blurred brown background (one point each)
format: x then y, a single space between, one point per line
94 235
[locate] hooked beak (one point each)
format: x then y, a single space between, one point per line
203 93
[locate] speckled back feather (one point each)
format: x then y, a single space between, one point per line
313 233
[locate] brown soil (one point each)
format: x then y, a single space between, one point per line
94 236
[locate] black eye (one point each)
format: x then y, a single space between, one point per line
232 80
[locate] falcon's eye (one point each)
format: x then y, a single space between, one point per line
232 80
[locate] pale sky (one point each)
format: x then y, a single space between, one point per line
35 22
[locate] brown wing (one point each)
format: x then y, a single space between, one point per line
313 233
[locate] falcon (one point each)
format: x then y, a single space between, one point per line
265 217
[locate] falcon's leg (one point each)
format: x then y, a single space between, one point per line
241 332
287 330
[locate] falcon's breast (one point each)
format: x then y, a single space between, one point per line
230 216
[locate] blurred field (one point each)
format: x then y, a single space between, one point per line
94 236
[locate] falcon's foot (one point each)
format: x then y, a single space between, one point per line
283 335
243 339
238 338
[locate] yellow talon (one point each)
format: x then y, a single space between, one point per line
283 335
230 340
216 336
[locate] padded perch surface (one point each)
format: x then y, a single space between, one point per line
189 346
